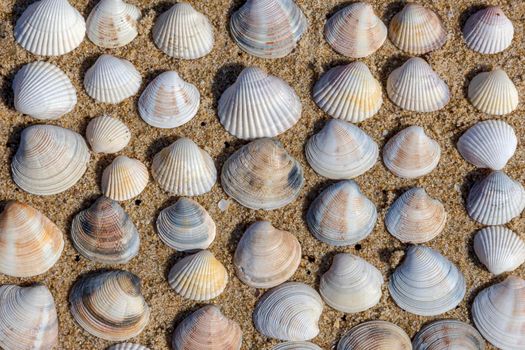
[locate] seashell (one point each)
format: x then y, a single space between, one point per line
29 318
50 28
417 30
112 79
183 32
107 135
349 92
493 92
341 151
448 334
341 215
375 335
268 28
488 144
168 101
296 345
289 311
207 328
499 313
43 91
495 199
124 178
488 31
416 87
198 277
184 169
127 346
265 256
351 284
186 226
258 105
112 23
49 159
262 175
109 305
355 31
416 217
426 283
104 233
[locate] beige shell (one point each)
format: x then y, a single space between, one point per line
127 346
488 31
493 92
296 345
448 334
124 178
375 335
107 135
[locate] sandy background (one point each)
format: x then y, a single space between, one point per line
212 74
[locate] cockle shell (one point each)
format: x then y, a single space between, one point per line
265 256
198 277
124 178
493 92
488 31
296 345
184 169
127 346
109 305
268 28
355 31
49 159
29 318
107 135
446 335
416 87
289 311
341 151
499 249
375 335
262 175
206 329
50 28
341 214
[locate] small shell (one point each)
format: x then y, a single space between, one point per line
184 169
341 151
258 105
107 135
127 346
198 277
265 256
375 335
446 335
416 87
488 31
124 178
355 31
262 175
289 311
341 215
296 345
493 92
499 249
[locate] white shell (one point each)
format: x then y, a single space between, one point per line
296 345
448 335
127 346
107 135
124 178
375 335
488 31
499 249
493 92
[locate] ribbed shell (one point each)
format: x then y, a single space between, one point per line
375 335
124 178
448 335
499 249
493 92
296 345
128 346
107 135
488 31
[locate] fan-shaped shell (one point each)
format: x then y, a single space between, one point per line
107 135
127 346
448 334
488 31
296 345
124 178
375 335
493 92
499 249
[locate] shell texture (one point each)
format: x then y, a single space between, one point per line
107 135
127 346
448 334
499 249
493 92
296 345
488 31
375 335
124 178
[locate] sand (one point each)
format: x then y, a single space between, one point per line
450 182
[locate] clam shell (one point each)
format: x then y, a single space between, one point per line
262 175
124 178
488 31
109 305
127 346
50 28
448 334
355 31
265 256
49 159
499 249
296 345
289 311
493 92
416 87
107 135
198 277
341 215
184 169
375 335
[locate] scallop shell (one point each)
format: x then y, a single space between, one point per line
50 28
262 175
426 283
448 334
349 92
109 305
375 335
184 169
183 32
198 277
107 135
289 311
124 178
416 87
499 249
49 159
341 215
355 31
493 92
29 318
112 79
265 256
207 328
488 31
296 345
127 346
168 101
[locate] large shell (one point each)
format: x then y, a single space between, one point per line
265 256
109 305
50 28
375 335
268 28
296 345
488 31
184 169
262 175
493 92
341 151
446 335
107 135
416 87
258 105
127 346
124 178
289 311
341 214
